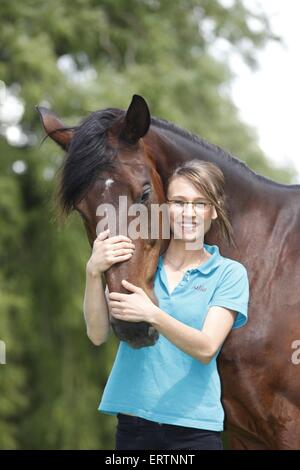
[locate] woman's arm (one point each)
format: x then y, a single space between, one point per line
200 344
95 308
106 252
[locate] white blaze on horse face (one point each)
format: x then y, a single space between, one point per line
108 183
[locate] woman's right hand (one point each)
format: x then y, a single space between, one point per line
108 251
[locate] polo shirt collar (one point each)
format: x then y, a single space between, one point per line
213 262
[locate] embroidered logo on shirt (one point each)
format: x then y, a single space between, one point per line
200 287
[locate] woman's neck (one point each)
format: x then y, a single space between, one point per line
180 258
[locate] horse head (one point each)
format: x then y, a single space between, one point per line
105 159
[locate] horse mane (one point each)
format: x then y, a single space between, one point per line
231 159
89 154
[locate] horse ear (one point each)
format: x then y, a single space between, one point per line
55 128
137 120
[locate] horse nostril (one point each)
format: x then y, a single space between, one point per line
136 335
147 341
153 333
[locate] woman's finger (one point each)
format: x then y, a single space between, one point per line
119 246
103 235
115 312
116 304
119 238
124 251
116 296
118 259
130 287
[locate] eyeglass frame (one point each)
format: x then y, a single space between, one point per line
183 204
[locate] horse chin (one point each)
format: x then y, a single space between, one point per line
137 335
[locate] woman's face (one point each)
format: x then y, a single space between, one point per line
188 222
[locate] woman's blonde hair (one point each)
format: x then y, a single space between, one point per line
209 179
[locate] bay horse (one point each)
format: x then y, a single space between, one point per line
260 382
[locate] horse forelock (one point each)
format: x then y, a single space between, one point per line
89 154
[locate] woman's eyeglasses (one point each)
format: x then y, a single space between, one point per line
199 206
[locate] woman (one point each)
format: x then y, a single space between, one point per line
167 396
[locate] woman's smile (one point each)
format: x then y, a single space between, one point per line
189 226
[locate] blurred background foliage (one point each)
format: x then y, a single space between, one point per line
77 56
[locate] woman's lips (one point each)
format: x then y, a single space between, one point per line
189 226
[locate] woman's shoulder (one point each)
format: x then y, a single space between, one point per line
230 265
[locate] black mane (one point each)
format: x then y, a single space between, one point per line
232 159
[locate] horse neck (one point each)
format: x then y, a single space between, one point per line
168 150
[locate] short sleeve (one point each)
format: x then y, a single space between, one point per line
232 292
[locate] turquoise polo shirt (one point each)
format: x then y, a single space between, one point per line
162 383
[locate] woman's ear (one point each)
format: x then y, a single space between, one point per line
214 213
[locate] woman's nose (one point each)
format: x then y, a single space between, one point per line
189 208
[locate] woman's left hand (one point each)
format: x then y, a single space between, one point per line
135 307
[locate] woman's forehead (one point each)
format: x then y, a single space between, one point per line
181 186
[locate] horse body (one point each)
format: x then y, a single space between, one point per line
259 380
262 402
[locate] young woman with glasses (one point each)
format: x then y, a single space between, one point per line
167 396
